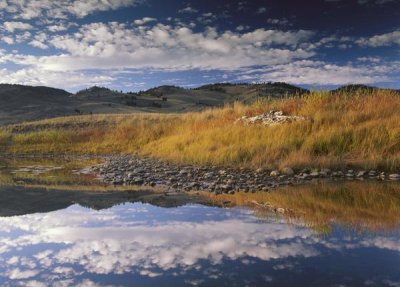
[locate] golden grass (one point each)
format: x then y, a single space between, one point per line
361 206
353 130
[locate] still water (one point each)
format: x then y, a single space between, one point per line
65 238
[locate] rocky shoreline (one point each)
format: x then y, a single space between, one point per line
134 170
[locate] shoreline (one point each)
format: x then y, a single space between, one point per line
135 170
144 171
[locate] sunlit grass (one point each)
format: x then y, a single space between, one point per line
356 130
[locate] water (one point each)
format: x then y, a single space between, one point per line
60 237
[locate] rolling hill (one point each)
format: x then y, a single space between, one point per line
25 103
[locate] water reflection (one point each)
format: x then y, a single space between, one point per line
143 245
52 235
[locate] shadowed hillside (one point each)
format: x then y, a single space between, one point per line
25 103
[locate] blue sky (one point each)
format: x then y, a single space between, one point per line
133 45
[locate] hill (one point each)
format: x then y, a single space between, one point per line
19 103
26 103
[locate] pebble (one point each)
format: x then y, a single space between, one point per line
132 170
394 176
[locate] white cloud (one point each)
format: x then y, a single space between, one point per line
38 44
115 45
283 21
388 39
19 38
321 73
261 10
144 20
61 79
39 41
8 39
29 9
17 273
12 26
188 9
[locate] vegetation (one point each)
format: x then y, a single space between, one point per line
361 206
359 129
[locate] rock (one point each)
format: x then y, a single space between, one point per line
270 118
394 176
224 187
280 210
260 170
287 171
326 171
137 180
361 173
222 172
274 173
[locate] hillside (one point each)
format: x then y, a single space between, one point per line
346 131
25 103
19 103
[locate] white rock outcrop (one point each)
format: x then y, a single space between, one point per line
270 118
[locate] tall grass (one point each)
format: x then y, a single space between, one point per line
345 130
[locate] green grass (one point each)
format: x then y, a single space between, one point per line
358 130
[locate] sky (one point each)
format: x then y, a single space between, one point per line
133 45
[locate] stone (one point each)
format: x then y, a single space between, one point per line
222 172
394 176
287 171
137 180
361 173
270 118
260 170
326 171
274 173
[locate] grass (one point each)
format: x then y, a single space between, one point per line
357 130
362 206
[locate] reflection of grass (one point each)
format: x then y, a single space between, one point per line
363 206
52 177
358 129
92 188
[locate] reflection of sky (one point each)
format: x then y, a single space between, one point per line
190 245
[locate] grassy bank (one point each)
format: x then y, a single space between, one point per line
353 130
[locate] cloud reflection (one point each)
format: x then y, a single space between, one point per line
65 245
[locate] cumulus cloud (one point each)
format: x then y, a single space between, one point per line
30 9
188 9
62 79
322 73
144 20
387 39
8 39
12 26
116 45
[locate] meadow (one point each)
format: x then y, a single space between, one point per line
346 130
